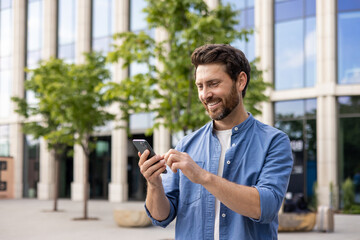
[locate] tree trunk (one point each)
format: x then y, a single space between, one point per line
56 179
86 185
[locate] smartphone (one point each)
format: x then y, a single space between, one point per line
141 145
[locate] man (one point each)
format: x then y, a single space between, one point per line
229 178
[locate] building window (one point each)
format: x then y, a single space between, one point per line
246 21
297 119
6 28
4 140
348 42
349 140
31 166
103 25
67 30
34 39
295 44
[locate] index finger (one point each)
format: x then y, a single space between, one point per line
143 157
167 155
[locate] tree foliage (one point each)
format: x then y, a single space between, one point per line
70 104
167 86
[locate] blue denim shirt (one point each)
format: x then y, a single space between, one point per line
259 156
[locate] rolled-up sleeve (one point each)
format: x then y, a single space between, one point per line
274 177
170 182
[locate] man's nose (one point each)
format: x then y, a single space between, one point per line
206 93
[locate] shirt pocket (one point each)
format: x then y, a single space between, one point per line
190 192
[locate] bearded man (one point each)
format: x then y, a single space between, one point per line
228 179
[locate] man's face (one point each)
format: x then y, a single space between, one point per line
217 91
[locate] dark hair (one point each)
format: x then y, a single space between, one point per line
234 60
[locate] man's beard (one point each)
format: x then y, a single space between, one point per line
229 104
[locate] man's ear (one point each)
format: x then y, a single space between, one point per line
241 81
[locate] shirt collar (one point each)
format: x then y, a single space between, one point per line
240 127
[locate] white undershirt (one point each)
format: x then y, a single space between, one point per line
225 140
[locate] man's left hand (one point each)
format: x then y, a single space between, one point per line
181 160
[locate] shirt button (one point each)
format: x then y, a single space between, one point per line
233 144
228 162
236 128
223 215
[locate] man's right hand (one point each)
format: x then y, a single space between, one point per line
152 168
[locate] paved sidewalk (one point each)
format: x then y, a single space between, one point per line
31 219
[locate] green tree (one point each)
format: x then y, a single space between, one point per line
83 107
168 88
71 105
45 82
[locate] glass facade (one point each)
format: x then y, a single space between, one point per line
348 42
297 118
102 25
4 141
6 29
34 38
295 44
349 140
67 29
246 21
31 166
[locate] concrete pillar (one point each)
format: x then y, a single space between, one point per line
326 123
16 135
47 166
83 45
118 187
47 162
77 186
83 34
162 140
50 29
264 48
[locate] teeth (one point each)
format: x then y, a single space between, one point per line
213 103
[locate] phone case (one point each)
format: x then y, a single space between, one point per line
141 145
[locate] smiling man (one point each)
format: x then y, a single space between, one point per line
228 178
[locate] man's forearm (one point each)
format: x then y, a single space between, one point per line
157 203
242 199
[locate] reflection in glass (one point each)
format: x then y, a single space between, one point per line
349 141
67 52
348 48
310 52
4 140
5 4
141 121
246 21
6 29
137 16
310 7
103 25
295 44
31 166
289 55
289 109
289 9
102 18
349 105
348 5
34 23
5 92
6 32
102 44
310 107
67 21
298 120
